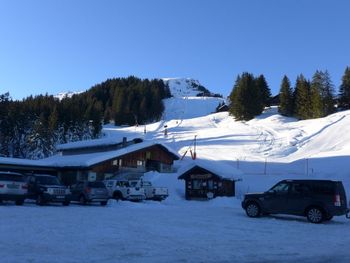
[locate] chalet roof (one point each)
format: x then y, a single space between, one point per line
84 160
22 162
222 170
90 159
114 140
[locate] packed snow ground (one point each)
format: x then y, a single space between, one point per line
183 231
266 150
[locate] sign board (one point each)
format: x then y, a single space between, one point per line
201 176
92 177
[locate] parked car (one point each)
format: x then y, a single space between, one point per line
121 189
47 189
88 192
318 200
13 187
151 192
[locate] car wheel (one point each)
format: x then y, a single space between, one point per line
118 196
82 200
39 200
66 203
103 203
315 215
20 202
252 209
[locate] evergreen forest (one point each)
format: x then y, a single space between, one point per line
32 128
308 99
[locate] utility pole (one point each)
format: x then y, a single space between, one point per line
194 148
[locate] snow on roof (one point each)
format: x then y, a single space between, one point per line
220 169
86 160
18 161
94 143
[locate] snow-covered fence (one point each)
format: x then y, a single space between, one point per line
301 167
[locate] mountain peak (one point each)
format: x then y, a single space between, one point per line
186 87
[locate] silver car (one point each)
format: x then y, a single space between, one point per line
87 192
13 187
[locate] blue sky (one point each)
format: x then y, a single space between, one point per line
52 46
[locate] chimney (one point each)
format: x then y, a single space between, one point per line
124 141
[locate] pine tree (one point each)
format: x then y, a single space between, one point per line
246 99
322 94
264 90
315 95
344 91
286 98
302 99
316 110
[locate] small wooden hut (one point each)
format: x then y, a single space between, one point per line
202 183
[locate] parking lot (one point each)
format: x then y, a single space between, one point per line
170 231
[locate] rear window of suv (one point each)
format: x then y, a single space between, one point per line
47 180
11 177
323 188
96 184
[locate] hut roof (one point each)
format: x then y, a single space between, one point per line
217 168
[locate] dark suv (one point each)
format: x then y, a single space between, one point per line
318 200
47 189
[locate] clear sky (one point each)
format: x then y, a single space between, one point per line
52 46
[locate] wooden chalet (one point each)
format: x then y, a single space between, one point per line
99 161
202 183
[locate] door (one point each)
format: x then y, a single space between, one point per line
275 200
299 198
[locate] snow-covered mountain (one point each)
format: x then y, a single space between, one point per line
183 87
188 100
67 94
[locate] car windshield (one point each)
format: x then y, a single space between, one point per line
133 184
12 177
46 180
96 184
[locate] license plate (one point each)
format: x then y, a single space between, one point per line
60 196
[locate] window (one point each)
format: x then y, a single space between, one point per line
12 177
96 184
298 188
109 183
210 185
280 188
197 184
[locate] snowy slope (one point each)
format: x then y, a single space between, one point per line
267 145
